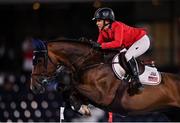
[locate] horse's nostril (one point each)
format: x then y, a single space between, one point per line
42 90
34 89
37 89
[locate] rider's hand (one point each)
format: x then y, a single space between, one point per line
96 45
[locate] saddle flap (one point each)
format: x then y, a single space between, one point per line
148 75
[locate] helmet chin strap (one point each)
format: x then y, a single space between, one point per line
105 24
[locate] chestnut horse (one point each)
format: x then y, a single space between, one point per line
94 78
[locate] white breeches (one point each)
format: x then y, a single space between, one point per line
138 48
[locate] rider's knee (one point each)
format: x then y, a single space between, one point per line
128 56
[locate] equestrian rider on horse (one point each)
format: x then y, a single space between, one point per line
115 34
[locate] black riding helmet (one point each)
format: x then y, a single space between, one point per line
104 13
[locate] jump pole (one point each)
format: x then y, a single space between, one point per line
110 117
61 114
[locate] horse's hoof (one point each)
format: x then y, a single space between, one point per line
84 110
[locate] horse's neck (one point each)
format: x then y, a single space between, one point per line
79 55
87 61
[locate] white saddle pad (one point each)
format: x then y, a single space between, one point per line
150 76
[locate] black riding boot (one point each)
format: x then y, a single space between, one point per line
135 83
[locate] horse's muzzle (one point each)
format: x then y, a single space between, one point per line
37 88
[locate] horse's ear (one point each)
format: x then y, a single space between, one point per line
38 44
34 44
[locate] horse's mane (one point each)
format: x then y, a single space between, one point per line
40 45
85 41
82 40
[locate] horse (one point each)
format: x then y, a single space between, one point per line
92 77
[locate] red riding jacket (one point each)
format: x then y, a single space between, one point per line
118 35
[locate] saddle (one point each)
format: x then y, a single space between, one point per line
148 73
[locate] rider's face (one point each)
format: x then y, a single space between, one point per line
100 23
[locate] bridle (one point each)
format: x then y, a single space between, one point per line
46 78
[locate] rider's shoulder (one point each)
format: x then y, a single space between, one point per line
117 24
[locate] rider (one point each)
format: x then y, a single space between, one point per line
115 34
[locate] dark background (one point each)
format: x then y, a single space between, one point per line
72 19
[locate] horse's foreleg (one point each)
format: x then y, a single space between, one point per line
78 104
